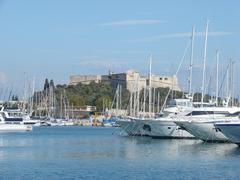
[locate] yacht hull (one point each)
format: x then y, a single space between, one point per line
164 129
230 130
132 127
205 131
14 127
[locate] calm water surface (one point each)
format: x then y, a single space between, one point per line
101 153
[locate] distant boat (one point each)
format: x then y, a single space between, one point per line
110 122
14 127
6 126
17 116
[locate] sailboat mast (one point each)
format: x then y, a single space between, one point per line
232 80
120 97
154 94
61 106
144 101
158 102
32 99
134 100
117 99
131 103
138 98
150 86
217 59
191 62
204 61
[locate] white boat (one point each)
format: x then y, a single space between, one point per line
110 121
230 130
131 126
8 126
201 122
17 116
14 127
161 127
164 128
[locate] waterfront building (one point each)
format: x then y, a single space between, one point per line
84 79
130 80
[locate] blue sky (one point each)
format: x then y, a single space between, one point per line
56 38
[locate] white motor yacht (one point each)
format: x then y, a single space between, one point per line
12 126
200 122
164 126
159 127
17 116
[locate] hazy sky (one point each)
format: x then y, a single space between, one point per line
56 38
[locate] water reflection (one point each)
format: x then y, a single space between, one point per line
171 149
109 146
77 150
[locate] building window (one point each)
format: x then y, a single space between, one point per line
166 79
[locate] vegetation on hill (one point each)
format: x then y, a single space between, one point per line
98 94
102 95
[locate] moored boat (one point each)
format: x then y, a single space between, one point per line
201 122
159 127
10 122
14 127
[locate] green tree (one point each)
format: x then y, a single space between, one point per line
103 102
46 85
77 100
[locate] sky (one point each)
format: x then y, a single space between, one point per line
57 38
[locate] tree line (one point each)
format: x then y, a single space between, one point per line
101 95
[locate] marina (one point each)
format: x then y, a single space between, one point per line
100 153
109 90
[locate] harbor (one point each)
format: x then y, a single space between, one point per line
119 90
100 153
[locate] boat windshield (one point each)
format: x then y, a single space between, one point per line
179 103
15 114
183 104
172 103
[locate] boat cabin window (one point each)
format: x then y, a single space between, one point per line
181 103
197 113
197 105
14 114
172 103
234 114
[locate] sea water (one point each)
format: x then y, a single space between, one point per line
102 153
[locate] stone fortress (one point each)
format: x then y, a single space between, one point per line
130 80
